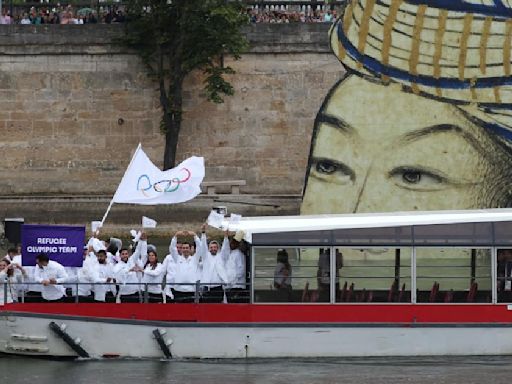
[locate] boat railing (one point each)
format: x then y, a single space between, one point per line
143 292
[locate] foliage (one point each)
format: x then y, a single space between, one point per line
176 37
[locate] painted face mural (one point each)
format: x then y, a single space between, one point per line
423 119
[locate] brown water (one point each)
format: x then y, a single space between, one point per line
453 370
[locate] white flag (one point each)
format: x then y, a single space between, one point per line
215 219
143 183
148 223
95 225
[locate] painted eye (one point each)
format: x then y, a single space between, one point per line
331 171
411 177
326 167
418 179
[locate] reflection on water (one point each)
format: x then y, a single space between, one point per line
453 370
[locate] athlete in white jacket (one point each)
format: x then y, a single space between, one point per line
214 275
51 275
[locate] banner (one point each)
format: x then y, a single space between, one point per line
63 244
143 183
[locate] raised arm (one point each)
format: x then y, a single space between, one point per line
141 251
225 250
173 249
204 247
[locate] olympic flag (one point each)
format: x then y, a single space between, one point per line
143 183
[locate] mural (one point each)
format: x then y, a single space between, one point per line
423 119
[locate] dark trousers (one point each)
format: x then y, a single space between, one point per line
237 295
86 299
133 298
213 295
33 297
183 297
61 300
109 298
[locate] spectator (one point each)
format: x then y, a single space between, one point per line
328 17
283 276
25 20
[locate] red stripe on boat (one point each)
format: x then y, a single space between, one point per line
279 313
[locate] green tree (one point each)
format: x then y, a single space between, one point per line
176 37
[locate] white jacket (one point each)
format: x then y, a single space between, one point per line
85 275
180 269
52 271
214 267
154 278
236 269
101 273
129 281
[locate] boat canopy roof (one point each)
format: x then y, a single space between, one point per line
491 227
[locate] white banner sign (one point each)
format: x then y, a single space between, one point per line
148 223
143 183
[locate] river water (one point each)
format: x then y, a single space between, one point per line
439 370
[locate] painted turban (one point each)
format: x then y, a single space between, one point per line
458 51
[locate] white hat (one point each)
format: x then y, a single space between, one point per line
239 235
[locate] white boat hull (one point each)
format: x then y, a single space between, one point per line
31 335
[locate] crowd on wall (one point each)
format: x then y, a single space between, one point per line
62 15
112 272
292 14
68 15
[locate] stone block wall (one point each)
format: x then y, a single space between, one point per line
74 105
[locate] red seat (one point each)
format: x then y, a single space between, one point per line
350 293
361 296
448 297
392 291
305 293
401 294
433 292
344 292
472 292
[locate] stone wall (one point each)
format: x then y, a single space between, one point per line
75 104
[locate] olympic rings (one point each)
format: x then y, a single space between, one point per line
163 186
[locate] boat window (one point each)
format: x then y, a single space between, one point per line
504 275
453 275
373 275
291 275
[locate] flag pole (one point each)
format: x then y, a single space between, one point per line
113 197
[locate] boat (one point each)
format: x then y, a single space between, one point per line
389 284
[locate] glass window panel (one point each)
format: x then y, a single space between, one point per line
453 275
373 275
504 275
291 275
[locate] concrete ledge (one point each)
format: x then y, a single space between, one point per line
83 209
100 39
